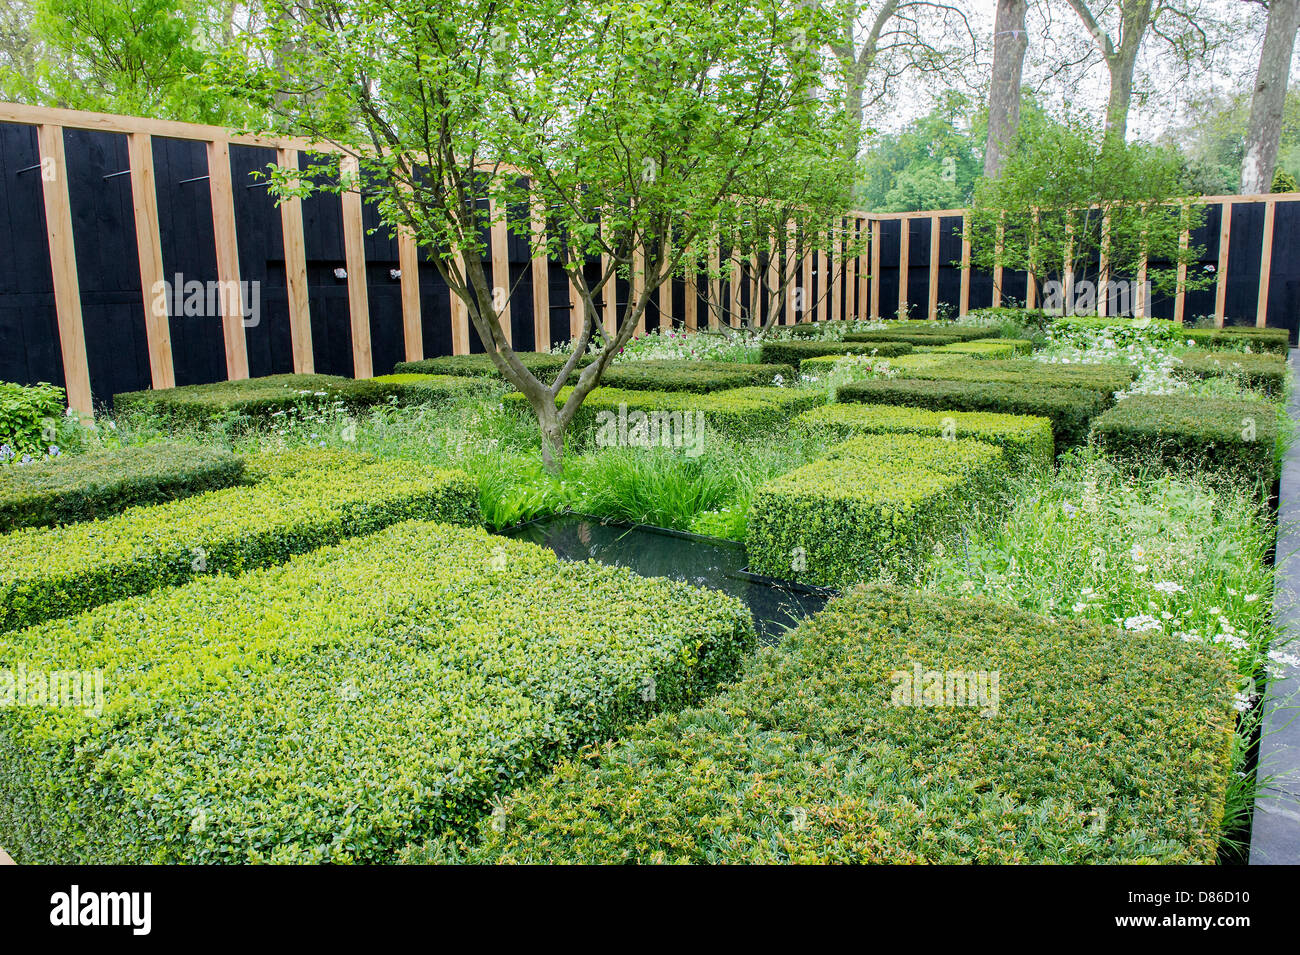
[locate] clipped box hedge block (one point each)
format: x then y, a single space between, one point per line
928 333
736 412
1106 380
410 388
82 487
1100 751
1187 433
1276 340
795 352
825 364
1070 410
871 506
317 499
1265 371
336 707
691 375
545 365
255 397
1025 440
991 348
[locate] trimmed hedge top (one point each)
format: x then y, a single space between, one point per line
336 707
928 333
672 374
301 502
1258 339
543 364
1069 409
1266 371
1190 432
871 505
81 487
256 397
736 411
989 348
794 352
1105 379
1100 751
1026 440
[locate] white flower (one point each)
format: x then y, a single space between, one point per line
1136 553
1251 598
1141 623
1169 587
1080 608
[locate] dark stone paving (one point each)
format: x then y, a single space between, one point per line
1275 833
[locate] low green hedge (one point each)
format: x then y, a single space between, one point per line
736 412
1184 433
872 505
411 388
1276 340
825 364
317 499
24 412
334 708
1070 410
691 375
81 487
1025 440
927 333
545 365
255 397
991 348
1264 371
1100 751
794 352
1106 380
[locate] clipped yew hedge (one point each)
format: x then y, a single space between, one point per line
671 374
410 388
300 503
991 348
792 352
736 412
1100 751
936 333
1025 440
339 706
81 487
254 397
1106 380
1186 433
1275 340
872 505
1070 410
545 365
1265 371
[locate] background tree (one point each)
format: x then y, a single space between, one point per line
1268 103
932 163
635 120
1010 41
1045 213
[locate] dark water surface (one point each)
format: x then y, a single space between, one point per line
704 561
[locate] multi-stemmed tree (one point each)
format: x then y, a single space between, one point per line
631 123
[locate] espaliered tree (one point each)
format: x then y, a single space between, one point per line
628 122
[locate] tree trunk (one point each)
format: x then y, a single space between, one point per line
1010 41
1121 95
1270 95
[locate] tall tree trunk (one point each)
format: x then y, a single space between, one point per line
1270 95
1010 41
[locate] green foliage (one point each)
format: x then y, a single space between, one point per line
1188 432
1069 409
735 412
334 708
935 333
794 352
545 365
1046 210
408 388
989 348
932 163
1241 336
254 397
26 412
1026 441
82 487
1104 379
690 375
810 758
874 503
300 502
1265 371
1283 181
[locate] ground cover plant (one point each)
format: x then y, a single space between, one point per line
440 665
25 416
